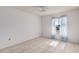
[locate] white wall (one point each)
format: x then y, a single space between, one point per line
17 25
73 24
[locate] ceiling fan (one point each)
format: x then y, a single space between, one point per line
42 8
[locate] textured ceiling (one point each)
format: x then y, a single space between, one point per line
47 9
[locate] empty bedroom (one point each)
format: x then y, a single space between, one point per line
39 29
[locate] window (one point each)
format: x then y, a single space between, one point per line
59 25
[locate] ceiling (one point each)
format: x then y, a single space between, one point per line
45 10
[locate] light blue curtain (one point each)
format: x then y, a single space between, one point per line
53 28
63 28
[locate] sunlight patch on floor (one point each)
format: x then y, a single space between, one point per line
54 43
63 44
